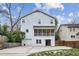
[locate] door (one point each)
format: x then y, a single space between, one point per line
48 42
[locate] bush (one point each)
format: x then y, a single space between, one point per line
16 36
57 37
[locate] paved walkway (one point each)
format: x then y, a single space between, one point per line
24 51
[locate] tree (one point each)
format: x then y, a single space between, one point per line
3 30
57 37
10 11
74 19
15 36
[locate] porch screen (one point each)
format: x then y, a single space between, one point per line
43 32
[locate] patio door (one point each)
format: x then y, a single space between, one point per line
48 42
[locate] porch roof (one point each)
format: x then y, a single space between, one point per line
47 27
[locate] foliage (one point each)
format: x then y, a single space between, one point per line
16 36
3 29
57 37
69 52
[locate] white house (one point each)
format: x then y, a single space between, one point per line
69 32
39 28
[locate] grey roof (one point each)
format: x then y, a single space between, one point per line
43 13
70 25
38 11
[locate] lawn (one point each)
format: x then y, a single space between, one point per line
69 52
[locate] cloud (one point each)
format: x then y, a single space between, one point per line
4 9
60 18
55 5
48 6
69 20
78 13
70 14
18 8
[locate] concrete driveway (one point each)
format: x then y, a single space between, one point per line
24 51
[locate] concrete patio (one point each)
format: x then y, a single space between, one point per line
24 51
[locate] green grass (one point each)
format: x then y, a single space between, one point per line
69 52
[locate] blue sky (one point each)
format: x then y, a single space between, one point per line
65 12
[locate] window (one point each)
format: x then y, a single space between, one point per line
74 29
27 30
23 21
43 32
70 29
39 32
51 21
48 32
38 41
72 36
39 22
52 32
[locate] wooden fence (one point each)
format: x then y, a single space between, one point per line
74 44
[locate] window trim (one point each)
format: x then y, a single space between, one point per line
23 21
27 30
39 22
72 36
38 41
51 21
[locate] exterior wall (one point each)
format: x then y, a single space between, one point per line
65 33
33 41
32 20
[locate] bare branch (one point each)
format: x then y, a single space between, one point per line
19 16
9 14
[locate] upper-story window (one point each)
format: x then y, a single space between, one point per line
39 22
72 29
27 30
72 36
51 21
23 21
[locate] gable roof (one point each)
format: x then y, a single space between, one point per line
41 12
69 26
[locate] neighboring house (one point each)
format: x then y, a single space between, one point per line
39 28
69 32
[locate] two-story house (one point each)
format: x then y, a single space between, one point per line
69 32
39 28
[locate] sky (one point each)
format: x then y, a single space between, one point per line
64 12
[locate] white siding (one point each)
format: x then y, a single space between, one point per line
32 20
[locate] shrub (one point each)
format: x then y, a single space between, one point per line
57 37
16 36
